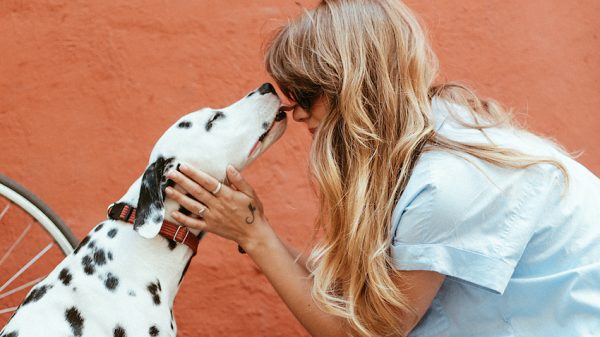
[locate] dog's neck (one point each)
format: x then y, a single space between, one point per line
165 260
132 196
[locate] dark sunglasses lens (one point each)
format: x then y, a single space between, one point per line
305 100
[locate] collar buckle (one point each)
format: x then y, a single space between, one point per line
187 232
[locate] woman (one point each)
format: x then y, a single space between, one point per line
435 208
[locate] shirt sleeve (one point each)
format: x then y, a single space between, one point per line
465 219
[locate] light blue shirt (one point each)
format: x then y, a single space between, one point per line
520 260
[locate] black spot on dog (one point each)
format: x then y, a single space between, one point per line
153 331
158 284
210 122
265 125
158 218
100 257
172 244
111 282
164 183
111 233
119 332
154 291
11 334
184 124
110 256
92 244
88 265
252 93
65 276
99 227
36 294
184 211
74 319
131 293
82 243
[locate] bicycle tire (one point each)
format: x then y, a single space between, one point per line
44 215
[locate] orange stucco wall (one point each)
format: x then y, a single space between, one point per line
86 87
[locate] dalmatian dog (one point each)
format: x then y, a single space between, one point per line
123 277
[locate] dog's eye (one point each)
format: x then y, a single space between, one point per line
216 116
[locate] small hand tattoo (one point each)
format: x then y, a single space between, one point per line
250 219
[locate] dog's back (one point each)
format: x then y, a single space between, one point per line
106 287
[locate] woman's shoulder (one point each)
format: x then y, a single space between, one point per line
449 187
442 178
442 171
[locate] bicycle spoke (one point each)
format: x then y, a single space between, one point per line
4 211
7 310
15 244
23 286
25 267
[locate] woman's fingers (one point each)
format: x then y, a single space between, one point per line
190 222
236 179
206 181
226 213
196 189
188 203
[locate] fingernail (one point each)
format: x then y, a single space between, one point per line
232 169
169 190
174 214
183 167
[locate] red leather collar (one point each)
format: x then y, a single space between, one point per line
169 230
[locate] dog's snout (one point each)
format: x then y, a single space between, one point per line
266 88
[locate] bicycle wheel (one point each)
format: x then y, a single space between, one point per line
33 240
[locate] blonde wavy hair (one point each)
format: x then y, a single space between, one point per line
372 63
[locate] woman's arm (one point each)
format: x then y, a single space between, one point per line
292 282
238 215
299 257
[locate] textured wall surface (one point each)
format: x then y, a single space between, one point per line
86 87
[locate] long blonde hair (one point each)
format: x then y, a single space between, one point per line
371 61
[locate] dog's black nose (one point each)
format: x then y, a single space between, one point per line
266 88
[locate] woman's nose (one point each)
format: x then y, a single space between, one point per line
298 113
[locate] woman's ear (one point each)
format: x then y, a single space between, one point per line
150 211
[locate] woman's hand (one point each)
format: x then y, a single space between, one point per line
234 213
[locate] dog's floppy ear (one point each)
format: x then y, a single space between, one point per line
150 211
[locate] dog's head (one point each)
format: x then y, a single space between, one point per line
209 140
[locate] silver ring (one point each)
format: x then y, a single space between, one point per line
217 189
202 210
